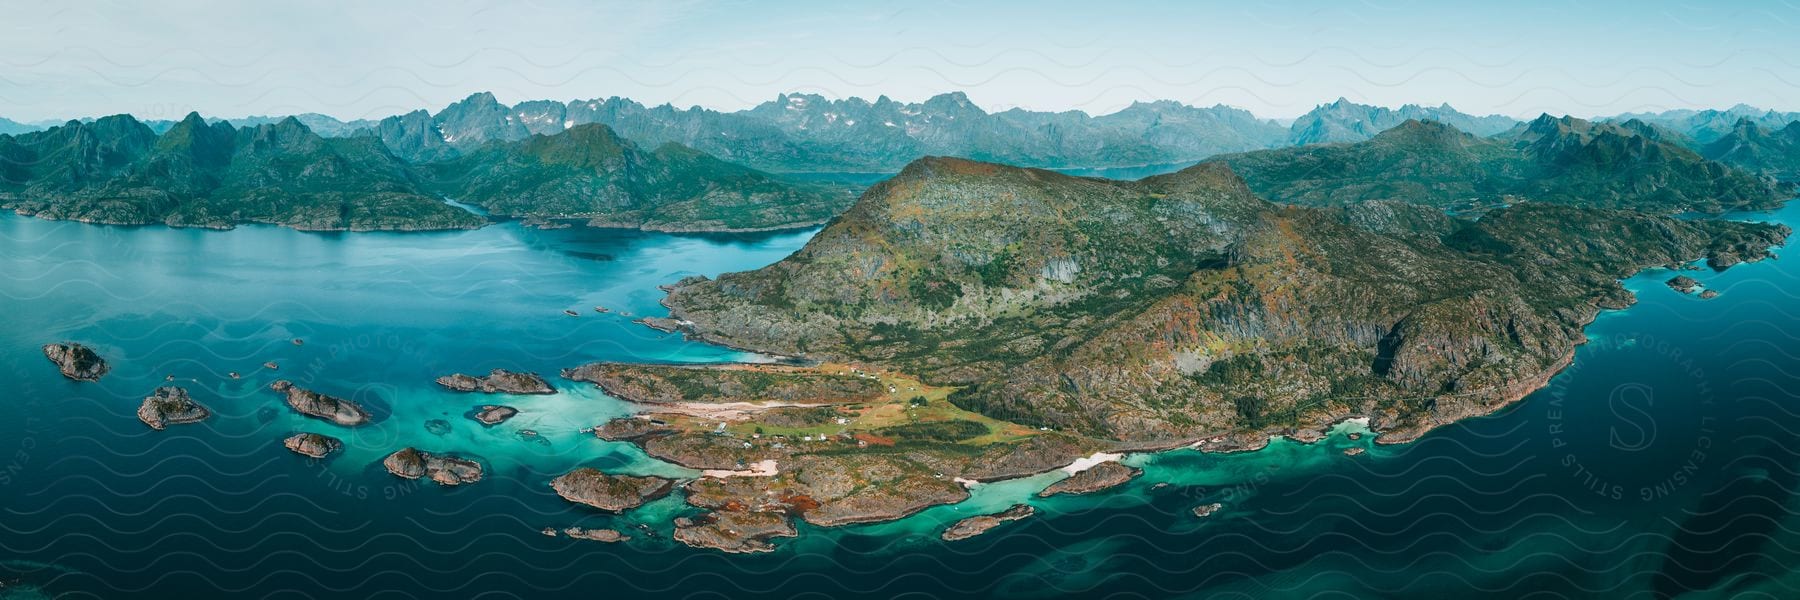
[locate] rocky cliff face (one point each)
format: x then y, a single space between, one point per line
1179 307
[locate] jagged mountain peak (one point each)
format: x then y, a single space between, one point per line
955 98
1346 121
1413 127
285 137
588 145
477 100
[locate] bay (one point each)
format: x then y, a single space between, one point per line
1661 463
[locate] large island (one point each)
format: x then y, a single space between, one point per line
1013 321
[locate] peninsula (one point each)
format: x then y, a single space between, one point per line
969 321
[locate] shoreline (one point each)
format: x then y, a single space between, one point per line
488 221
1380 427
1505 395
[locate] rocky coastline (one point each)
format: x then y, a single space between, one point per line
846 439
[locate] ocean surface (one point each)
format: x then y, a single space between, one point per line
1663 463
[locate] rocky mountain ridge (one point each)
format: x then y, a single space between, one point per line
117 170
1184 306
1556 160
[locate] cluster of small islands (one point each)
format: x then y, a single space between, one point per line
967 321
729 530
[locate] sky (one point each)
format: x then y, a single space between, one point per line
357 59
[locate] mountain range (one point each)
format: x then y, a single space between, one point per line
1769 151
589 172
118 170
803 133
807 133
1346 121
615 162
11 127
1703 127
1557 160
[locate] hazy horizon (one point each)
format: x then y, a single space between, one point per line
354 61
1285 119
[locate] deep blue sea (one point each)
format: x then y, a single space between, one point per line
1663 463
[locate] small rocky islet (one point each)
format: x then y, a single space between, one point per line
491 414
977 525
444 469
76 361
1093 479
1683 284
320 406
736 531
312 445
611 493
498 381
1688 285
170 405
594 535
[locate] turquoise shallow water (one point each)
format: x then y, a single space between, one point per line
1662 463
